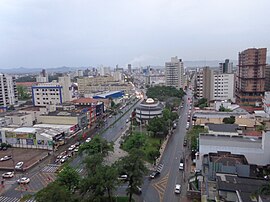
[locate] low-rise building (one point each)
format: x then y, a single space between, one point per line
222 129
148 109
29 137
255 149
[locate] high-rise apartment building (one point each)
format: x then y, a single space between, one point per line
213 85
226 67
129 68
174 73
8 91
250 84
42 77
204 78
267 78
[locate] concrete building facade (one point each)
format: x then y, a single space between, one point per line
8 92
213 85
250 85
225 67
267 78
174 73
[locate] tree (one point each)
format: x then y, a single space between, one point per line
69 177
193 136
97 145
230 120
54 192
157 125
162 93
202 103
135 169
22 92
100 178
136 140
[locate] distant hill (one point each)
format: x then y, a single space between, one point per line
190 64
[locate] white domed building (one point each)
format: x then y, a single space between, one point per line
148 109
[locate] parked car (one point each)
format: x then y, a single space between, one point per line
8 174
181 166
71 147
19 165
5 158
23 180
76 149
154 174
64 159
185 143
177 189
88 139
123 177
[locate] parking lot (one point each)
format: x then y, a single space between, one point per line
28 156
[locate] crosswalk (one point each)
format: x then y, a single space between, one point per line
13 199
50 168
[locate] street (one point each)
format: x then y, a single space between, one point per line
162 188
44 173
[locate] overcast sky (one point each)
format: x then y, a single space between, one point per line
53 33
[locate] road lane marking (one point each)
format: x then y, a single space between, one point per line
160 186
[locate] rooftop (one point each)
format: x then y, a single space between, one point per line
227 182
222 127
227 159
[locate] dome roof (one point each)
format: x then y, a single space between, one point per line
150 101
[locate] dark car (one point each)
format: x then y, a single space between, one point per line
154 174
185 143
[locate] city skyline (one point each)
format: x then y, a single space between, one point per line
44 34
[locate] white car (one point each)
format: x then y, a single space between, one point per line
5 158
88 139
71 147
63 160
8 174
181 166
23 180
177 189
19 165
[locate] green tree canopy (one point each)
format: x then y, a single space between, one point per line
69 177
230 120
162 93
97 145
54 192
135 169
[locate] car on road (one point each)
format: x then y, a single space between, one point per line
181 165
5 158
64 159
19 165
154 174
123 177
76 149
88 139
23 180
185 143
71 147
127 120
177 189
8 174
110 116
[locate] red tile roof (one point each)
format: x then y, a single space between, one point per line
26 84
252 133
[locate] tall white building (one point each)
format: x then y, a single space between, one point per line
8 91
174 73
105 71
52 93
214 86
42 77
65 82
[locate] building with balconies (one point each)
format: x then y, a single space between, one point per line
250 85
8 92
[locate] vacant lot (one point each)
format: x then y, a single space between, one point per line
28 156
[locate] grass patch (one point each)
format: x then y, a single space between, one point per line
149 145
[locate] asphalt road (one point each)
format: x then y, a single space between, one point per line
162 187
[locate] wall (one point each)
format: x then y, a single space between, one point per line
58 120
